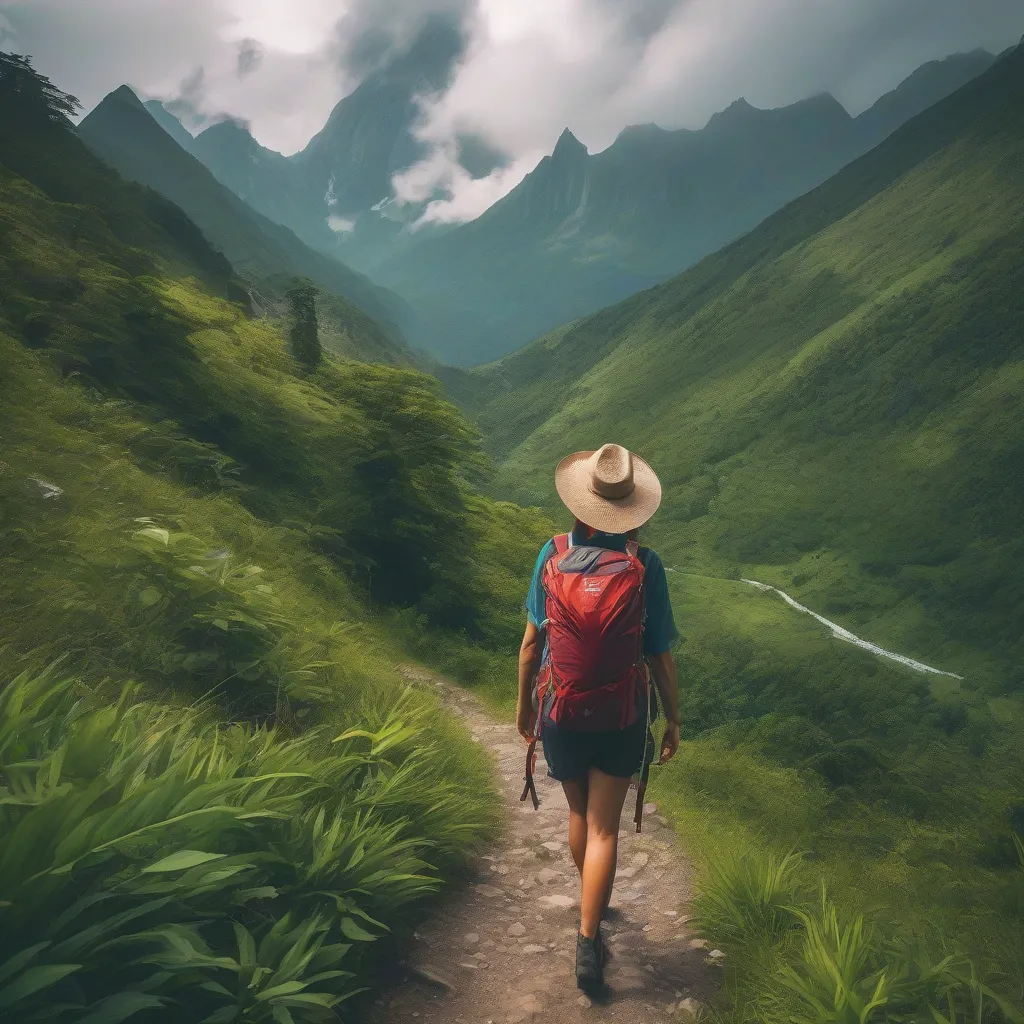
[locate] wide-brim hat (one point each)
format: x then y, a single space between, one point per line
611 489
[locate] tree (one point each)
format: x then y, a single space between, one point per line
25 94
305 336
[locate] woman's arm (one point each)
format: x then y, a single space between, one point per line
663 668
530 653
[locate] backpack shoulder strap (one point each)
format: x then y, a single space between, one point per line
559 546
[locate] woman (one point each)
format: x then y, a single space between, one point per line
611 493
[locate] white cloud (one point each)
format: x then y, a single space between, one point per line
342 225
468 197
90 47
532 67
537 66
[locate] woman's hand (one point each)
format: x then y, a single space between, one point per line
526 720
669 742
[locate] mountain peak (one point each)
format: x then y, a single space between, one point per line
568 147
125 94
738 112
229 128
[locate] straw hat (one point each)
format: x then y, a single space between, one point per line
611 489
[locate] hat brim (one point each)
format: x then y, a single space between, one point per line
610 515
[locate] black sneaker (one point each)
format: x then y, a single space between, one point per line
589 963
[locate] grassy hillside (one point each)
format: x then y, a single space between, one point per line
217 797
124 134
832 403
852 362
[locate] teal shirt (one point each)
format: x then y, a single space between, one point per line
659 630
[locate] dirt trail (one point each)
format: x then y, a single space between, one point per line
502 949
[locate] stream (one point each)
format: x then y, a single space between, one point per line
850 638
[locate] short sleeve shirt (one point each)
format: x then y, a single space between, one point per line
660 628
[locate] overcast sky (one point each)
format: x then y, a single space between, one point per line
531 67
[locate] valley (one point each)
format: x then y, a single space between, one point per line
265 562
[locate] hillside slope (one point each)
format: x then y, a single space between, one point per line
829 399
124 134
170 124
206 744
265 181
584 230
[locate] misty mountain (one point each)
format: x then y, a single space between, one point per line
368 138
336 193
856 359
584 230
929 84
123 133
265 180
170 124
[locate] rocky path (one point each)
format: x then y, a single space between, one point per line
502 949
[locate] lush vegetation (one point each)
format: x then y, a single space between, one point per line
217 793
832 405
806 961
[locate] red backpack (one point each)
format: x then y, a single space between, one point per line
593 674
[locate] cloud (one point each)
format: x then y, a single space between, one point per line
529 68
537 66
371 32
342 225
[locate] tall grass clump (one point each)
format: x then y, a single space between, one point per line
749 898
152 859
792 960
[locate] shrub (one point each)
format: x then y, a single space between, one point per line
749 898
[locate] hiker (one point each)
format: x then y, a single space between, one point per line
599 628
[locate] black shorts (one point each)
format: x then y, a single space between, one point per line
571 754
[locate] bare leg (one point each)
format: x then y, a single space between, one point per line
576 796
605 797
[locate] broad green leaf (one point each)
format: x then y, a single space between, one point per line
121 1006
35 979
286 988
19 960
217 987
353 931
155 533
149 597
181 860
246 946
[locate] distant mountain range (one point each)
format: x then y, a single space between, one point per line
581 231
125 134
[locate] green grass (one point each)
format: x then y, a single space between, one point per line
903 794
796 959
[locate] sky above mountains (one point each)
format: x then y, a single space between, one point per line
529 67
